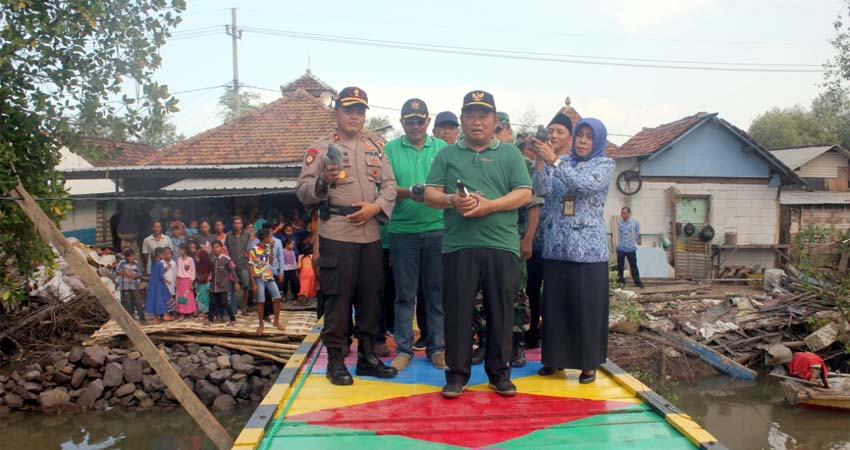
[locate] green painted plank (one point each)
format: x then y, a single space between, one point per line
642 430
356 442
303 429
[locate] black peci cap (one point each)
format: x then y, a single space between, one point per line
479 99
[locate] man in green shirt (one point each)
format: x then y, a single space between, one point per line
416 236
480 182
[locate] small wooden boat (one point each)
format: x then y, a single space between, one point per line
814 395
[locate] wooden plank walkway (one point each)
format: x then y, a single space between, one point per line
297 324
408 412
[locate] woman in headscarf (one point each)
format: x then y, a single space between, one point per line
575 252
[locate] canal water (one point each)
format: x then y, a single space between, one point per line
743 415
755 416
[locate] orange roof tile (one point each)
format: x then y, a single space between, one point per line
650 140
129 154
277 132
309 83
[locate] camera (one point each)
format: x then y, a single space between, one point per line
542 133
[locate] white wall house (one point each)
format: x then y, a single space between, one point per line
704 171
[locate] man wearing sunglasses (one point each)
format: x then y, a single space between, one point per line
416 237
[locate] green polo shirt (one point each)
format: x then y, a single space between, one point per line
411 166
495 171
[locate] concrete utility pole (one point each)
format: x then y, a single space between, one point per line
235 33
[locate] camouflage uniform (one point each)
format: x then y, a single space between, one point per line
522 311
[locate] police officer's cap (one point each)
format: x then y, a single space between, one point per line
352 96
479 100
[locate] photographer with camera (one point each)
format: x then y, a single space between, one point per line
555 142
479 182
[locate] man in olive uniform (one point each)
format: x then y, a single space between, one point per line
347 174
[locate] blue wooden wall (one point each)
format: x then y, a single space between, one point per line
710 150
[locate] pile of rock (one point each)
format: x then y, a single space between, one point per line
99 378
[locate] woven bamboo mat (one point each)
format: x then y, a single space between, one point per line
297 324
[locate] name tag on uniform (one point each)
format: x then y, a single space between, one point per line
569 206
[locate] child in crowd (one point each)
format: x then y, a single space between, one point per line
222 273
129 271
202 276
290 269
220 234
263 285
157 294
307 276
177 237
193 228
186 305
170 281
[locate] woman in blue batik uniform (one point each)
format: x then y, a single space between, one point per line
575 252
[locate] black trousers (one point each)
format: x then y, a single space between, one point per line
348 277
534 266
290 280
219 304
421 314
633 267
387 299
497 273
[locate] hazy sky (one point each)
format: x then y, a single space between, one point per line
625 98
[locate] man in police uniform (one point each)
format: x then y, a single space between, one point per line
480 182
356 190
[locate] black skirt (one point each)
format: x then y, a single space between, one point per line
575 314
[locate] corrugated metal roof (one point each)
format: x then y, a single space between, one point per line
814 198
796 157
178 167
232 184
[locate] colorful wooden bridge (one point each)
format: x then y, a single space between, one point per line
304 411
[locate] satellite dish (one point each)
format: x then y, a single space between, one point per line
629 182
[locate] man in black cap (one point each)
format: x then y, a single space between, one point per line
446 127
416 236
480 182
560 139
348 174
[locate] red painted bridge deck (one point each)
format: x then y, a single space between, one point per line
408 412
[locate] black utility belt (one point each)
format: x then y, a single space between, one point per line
339 210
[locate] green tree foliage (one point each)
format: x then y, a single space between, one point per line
791 127
227 102
160 134
62 68
380 125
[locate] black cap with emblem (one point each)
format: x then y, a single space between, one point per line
414 108
479 100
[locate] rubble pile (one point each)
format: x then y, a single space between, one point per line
98 378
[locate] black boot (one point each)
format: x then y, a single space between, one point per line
479 353
337 372
368 364
518 353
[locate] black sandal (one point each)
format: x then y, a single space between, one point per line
545 371
587 379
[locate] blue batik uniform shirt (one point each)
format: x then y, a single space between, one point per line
580 237
629 232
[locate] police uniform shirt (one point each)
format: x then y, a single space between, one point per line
365 176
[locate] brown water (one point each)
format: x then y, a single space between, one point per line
755 416
160 429
743 415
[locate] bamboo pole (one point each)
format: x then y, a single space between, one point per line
241 348
256 342
50 233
